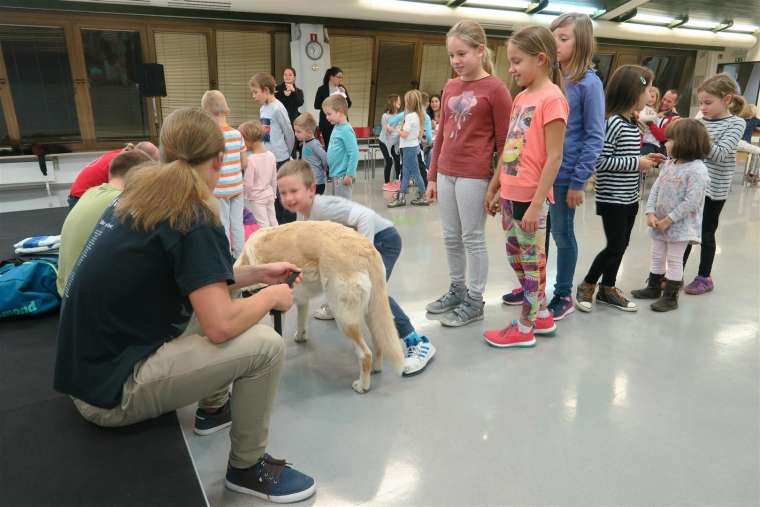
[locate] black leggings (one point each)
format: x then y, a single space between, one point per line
710 217
618 221
391 160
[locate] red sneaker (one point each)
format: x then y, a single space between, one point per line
510 337
545 326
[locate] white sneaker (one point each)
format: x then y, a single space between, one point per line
324 313
417 357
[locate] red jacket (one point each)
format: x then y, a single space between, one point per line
95 173
658 131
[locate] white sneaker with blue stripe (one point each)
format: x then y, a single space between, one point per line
419 352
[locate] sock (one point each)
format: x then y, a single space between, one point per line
523 328
542 314
412 339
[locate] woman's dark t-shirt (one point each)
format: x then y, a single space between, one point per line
127 296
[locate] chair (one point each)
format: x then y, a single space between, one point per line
365 138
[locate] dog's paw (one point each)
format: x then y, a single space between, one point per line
359 387
378 368
300 337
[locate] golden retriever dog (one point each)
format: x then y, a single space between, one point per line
345 265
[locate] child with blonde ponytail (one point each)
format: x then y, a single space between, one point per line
474 117
522 186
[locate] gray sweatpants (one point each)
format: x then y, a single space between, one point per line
463 220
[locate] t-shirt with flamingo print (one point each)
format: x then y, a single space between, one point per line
524 156
474 119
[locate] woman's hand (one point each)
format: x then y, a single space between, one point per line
529 222
651 220
645 163
431 194
277 272
575 198
280 296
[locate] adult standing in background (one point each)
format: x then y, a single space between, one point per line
331 84
666 115
289 94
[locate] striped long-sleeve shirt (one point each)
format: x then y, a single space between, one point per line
230 182
725 134
617 168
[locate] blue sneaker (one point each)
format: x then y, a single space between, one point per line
271 479
419 352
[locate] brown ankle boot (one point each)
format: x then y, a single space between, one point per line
669 299
653 290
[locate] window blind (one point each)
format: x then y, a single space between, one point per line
185 60
354 57
436 69
239 56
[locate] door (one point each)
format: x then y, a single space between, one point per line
396 73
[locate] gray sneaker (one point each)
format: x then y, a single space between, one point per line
469 311
452 299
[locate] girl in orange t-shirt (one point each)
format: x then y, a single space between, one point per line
523 184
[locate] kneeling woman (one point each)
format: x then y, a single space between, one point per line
157 255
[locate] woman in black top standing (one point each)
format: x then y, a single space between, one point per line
289 94
331 84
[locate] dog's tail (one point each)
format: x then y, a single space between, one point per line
380 318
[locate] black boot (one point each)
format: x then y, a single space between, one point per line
669 299
653 290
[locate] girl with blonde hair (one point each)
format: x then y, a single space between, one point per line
410 134
156 256
474 117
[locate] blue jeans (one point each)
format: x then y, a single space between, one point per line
410 169
563 232
388 244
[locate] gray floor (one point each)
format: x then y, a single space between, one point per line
617 409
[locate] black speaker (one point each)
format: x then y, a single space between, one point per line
150 77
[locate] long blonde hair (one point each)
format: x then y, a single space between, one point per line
471 33
413 104
721 85
533 40
173 190
583 51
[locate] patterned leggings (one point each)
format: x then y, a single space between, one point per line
527 256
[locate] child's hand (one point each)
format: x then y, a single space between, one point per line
431 194
575 198
645 164
664 224
348 180
491 201
529 221
651 220
657 158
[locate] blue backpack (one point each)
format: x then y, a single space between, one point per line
27 286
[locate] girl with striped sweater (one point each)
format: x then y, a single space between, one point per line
618 189
719 102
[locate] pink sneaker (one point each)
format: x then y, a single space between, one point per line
388 186
395 186
510 337
544 325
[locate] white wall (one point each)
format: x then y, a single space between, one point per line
309 72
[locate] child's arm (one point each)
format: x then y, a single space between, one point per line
652 201
281 116
321 154
725 147
243 158
608 161
492 194
352 149
396 119
428 130
593 140
273 167
554 135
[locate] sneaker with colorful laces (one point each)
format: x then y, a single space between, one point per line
510 337
513 298
700 285
419 352
561 306
544 325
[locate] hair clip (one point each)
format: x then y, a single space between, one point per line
643 81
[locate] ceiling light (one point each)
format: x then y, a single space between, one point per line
678 21
563 8
626 16
701 24
519 5
651 19
742 28
537 6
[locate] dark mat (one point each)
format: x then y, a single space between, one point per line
49 455
53 457
18 225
